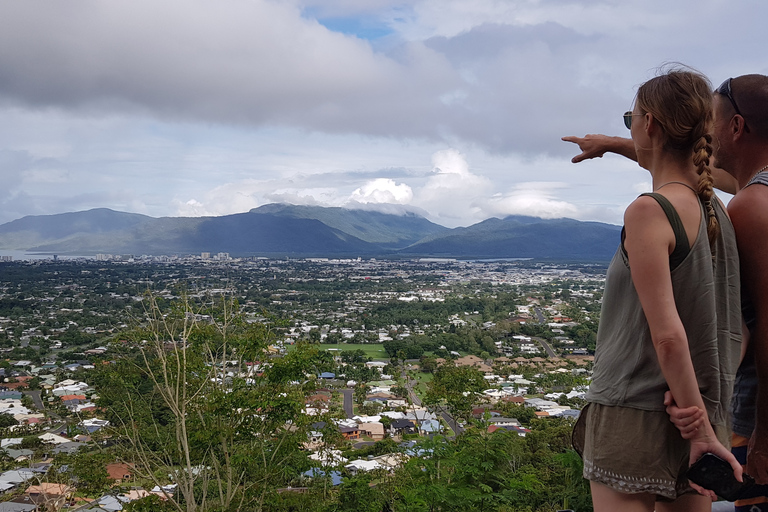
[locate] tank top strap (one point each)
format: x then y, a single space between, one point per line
682 247
761 178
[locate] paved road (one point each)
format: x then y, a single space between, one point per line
539 315
550 352
35 395
442 411
348 409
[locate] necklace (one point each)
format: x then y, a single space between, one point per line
756 174
683 184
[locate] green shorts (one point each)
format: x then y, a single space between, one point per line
634 451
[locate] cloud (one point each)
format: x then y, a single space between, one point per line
642 187
199 108
450 191
535 199
509 76
383 190
237 62
13 165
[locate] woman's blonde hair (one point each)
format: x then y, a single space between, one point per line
680 101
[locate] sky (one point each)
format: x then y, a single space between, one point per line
452 109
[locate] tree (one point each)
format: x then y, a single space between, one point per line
458 386
184 403
31 442
428 364
361 393
91 472
151 503
6 420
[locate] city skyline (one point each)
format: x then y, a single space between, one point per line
451 109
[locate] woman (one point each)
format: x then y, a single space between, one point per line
670 302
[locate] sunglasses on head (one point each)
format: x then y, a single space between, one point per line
628 119
725 90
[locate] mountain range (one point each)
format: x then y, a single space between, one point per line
279 230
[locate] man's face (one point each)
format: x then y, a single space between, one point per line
722 151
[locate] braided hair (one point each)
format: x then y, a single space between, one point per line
681 102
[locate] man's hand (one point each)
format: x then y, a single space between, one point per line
686 420
757 458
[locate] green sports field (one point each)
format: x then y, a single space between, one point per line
372 350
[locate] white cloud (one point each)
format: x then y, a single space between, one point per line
535 199
383 190
450 192
306 196
642 187
199 108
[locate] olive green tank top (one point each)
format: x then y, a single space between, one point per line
707 296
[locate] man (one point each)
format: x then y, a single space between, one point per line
740 141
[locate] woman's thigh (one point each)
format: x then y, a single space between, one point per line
606 499
686 503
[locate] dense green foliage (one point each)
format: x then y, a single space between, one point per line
475 472
199 392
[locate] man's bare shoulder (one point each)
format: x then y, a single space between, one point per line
749 214
750 202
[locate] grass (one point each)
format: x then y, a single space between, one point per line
372 350
423 379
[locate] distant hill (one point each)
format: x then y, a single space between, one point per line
386 230
519 236
305 231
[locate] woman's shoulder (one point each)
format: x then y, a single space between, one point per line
643 210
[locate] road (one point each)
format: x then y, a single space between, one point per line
348 408
35 395
442 411
550 352
539 316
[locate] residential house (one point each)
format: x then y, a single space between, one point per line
16 506
374 430
403 426
479 412
49 495
120 472
68 447
16 477
419 415
328 457
358 465
350 433
500 421
335 476
430 427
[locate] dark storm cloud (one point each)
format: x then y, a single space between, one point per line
261 63
229 62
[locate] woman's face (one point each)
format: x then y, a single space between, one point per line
639 135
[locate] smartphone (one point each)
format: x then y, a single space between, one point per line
713 473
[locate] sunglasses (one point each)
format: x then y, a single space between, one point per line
725 90
628 118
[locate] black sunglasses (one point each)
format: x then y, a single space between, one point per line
725 90
628 119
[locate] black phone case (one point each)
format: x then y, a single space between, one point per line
713 473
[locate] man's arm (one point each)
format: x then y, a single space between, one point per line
596 145
749 214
